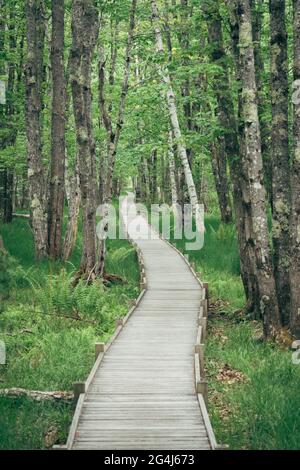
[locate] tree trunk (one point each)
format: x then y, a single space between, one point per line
253 165
33 109
281 194
295 213
56 203
175 123
218 162
113 134
85 29
73 214
265 128
172 168
233 140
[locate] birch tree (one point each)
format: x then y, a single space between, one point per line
171 101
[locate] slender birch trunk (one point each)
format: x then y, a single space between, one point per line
281 191
175 122
172 168
57 193
33 109
73 214
295 212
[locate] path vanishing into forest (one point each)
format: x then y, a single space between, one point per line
142 392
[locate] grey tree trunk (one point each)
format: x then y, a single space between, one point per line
73 214
233 141
281 193
266 287
218 162
113 134
295 213
85 28
57 194
35 15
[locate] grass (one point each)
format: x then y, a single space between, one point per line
254 400
50 329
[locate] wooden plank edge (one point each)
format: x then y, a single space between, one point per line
207 423
75 421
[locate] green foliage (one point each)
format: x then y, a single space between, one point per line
263 410
25 423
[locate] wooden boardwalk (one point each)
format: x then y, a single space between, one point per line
142 392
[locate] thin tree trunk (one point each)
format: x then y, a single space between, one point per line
57 194
218 162
175 122
265 128
295 213
281 193
73 214
33 109
172 168
253 165
113 134
85 29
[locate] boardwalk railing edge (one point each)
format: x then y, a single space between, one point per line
200 382
81 388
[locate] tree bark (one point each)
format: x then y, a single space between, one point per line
262 101
218 162
85 29
57 194
172 169
175 123
33 109
295 212
253 165
73 214
281 194
233 140
113 134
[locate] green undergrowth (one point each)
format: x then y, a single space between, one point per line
50 328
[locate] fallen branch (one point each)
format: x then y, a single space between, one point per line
37 395
22 216
25 330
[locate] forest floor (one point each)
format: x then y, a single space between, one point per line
50 329
254 400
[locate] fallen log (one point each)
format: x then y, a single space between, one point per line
22 216
37 395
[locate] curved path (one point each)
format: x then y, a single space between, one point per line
143 394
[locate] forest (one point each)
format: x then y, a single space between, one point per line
178 102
